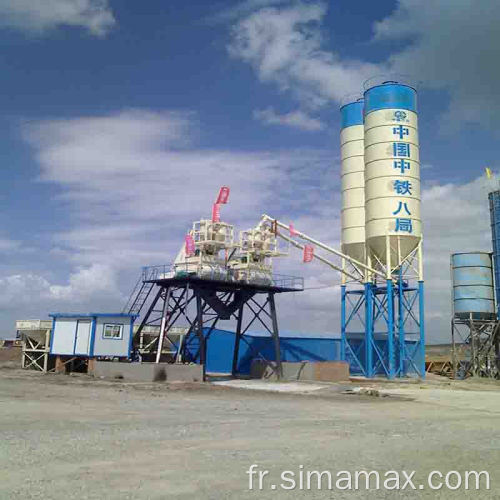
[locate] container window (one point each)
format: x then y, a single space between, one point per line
113 331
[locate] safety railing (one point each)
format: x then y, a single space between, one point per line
219 273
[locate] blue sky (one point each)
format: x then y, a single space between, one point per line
121 120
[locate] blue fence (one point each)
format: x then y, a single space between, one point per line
293 348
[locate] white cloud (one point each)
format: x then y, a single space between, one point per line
29 293
92 282
19 289
126 175
132 182
38 16
295 119
451 46
284 46
26 295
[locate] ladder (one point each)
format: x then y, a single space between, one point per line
139 295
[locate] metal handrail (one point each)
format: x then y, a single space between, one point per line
219 273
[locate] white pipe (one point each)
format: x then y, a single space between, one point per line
322 259
325 247
420 262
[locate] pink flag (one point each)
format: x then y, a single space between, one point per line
291 228
216 213
308 253
190 248
223 195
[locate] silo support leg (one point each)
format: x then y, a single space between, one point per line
237 340
276 338
421 321
390 330
369 368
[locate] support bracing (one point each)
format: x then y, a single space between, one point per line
475 347
199 305
382 326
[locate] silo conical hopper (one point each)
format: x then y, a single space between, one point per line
392 171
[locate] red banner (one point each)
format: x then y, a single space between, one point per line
223 195
216 213
308 253
190 247
291 228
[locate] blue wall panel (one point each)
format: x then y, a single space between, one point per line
294 349
220 348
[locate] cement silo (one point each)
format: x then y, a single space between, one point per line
390 306
392 172
474 326
472 276
353 180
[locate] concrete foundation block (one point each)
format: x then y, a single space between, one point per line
331 371
148 372
324 371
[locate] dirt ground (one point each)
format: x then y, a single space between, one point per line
64 437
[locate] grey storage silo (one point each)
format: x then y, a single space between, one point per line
494 199
473 295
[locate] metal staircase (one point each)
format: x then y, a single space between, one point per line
140 293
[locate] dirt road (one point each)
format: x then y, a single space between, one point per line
68 437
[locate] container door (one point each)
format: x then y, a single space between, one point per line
63 337
82 343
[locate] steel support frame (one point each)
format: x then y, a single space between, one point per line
477 352
382 329
202 307
36 353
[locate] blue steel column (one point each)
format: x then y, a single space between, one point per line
390 329
421 320
92 337
401 326
369 330
343 339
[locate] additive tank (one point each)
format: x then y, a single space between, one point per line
472 276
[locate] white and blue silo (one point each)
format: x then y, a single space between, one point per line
390 306
392 171
353 180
